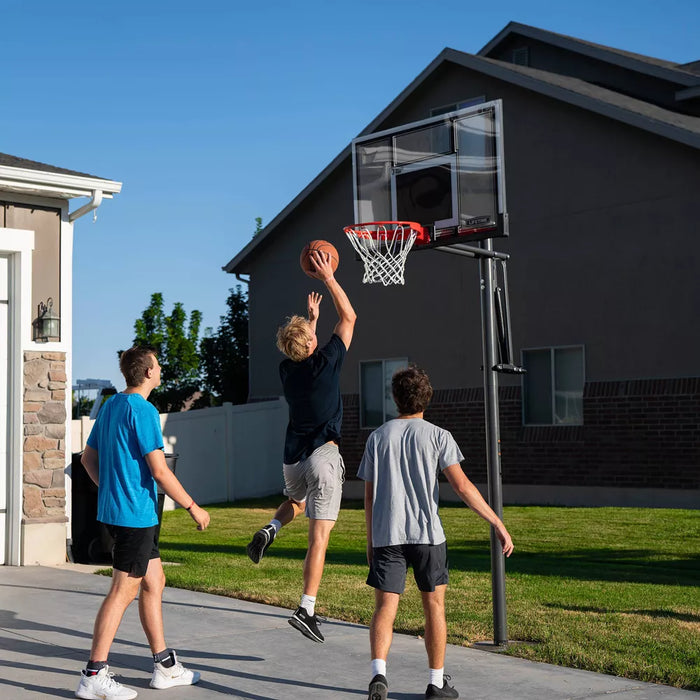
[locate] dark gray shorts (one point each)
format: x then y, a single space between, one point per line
133 548
390 564
318 480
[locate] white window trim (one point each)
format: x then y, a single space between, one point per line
551 349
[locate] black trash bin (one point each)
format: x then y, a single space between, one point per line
91 541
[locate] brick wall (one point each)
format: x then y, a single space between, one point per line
638 433
44 458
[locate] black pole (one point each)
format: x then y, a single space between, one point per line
493 439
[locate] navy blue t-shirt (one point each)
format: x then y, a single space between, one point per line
312 390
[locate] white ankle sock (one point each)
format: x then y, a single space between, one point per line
276 524
378 666
436 676
308 602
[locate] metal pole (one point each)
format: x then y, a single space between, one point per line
493 439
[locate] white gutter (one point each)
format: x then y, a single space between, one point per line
92 204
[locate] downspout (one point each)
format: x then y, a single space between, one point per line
92 204
241 279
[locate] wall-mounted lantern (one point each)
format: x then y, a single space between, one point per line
47 325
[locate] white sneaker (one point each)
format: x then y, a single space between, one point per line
177 674
102 686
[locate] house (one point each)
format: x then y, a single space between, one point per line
602 165
36 249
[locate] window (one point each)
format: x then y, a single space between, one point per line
376 402
553 386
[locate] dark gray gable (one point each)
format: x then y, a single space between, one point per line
656 67
637 113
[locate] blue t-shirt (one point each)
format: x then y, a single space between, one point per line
312 390
127 428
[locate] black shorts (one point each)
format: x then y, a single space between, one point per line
390 564
133 548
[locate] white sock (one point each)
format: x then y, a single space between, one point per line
436 677
378 667
308 602
276 524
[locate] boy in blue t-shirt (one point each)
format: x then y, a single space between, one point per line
124 457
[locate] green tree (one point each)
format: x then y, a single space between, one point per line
258 226
224 354
82 405
175 339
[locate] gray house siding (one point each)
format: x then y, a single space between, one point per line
604 251
602 241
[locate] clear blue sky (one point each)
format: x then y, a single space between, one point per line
215 113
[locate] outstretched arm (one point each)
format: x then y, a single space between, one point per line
346 314
464 488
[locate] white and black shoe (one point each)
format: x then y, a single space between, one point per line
262 539
306 624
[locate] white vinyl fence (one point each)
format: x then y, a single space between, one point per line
226 453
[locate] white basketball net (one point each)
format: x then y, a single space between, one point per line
383 248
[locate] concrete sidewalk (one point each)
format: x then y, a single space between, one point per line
247 650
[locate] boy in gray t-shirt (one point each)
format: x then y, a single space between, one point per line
400 470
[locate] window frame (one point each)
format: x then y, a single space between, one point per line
361 409
455 106
552 368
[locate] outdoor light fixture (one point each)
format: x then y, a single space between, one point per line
47 325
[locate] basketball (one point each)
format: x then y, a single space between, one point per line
321 246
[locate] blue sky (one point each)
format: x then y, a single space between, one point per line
215 113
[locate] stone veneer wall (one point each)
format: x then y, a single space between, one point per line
44 458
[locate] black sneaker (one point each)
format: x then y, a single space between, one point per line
262 539
306 624
447 691
378 688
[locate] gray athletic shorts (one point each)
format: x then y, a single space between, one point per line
318 480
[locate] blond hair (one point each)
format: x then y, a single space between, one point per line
294 337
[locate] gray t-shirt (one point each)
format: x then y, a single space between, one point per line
402 459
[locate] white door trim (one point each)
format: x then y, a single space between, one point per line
18 246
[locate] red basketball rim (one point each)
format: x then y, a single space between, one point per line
381 230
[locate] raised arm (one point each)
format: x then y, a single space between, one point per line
346 314
464 488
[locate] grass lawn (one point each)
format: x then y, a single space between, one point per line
613 590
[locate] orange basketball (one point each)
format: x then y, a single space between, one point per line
321 246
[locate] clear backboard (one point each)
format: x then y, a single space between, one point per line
445 172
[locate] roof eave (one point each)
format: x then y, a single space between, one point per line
51 184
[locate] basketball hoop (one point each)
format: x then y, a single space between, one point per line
383 247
